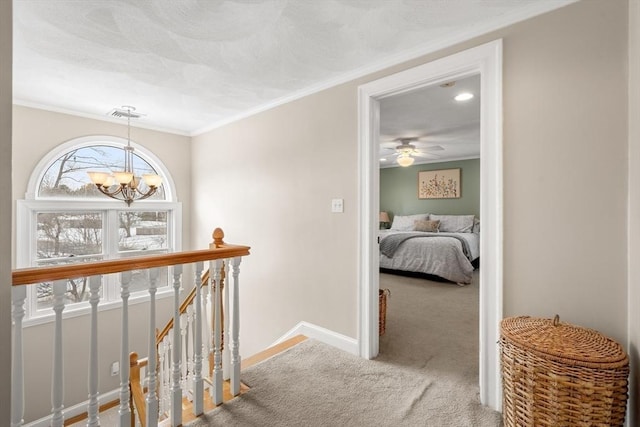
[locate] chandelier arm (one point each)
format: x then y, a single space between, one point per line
149 193
106 191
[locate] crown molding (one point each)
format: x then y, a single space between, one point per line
527 12
134 123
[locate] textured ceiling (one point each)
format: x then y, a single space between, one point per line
190 64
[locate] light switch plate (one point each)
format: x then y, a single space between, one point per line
337 205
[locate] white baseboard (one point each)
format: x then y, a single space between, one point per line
78 409
342 342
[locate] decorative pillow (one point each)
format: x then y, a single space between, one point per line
426 225
405 222
476 225
454 223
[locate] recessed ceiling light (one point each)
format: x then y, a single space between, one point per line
464 96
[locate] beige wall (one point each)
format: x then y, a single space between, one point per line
36 133
268 181
634 207
6 26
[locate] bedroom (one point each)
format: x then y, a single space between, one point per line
429 241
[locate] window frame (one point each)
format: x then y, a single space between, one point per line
87 141
27 211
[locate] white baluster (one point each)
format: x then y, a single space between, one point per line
162 375
183 336
57 386
94 298
168 372
176 390
207 331
124 410
217 320
18 295
210 316
235 328
226 353
188 348
152 374
198 384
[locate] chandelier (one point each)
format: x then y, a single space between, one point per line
125 185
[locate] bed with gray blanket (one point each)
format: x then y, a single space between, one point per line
446 255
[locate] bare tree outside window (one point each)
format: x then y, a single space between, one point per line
69 232
65 238
67 176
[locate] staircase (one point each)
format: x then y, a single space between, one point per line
109 410
186 334
186 363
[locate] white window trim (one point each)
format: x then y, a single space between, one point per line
25 228
87 141
27 209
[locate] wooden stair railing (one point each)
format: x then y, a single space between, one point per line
131 388
136 364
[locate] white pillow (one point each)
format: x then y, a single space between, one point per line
476 225
406 222
454 223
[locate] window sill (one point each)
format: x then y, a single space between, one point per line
85 308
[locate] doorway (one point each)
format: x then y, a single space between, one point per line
485 60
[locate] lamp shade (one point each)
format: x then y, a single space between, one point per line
384 217
98 178
152 180
123 178
405 160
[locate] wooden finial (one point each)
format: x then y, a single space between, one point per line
218 235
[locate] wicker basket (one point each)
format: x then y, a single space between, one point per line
382 322
557 374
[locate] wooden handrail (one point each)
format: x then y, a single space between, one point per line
28 276
183 307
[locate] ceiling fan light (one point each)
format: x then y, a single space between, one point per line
405 160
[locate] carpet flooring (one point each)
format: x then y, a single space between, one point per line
426 373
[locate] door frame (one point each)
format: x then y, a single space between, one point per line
485 60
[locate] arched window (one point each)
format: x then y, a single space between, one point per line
67 176
65 219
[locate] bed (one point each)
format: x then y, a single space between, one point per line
448 251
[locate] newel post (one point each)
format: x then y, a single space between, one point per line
217 235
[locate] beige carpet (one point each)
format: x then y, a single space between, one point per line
426 374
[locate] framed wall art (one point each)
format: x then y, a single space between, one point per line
439 184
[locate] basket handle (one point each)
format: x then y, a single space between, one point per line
556 320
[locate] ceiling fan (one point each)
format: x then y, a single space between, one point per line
407 151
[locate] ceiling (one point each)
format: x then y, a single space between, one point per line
444 129
192 65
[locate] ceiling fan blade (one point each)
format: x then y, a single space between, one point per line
389 144
425 155
421 146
